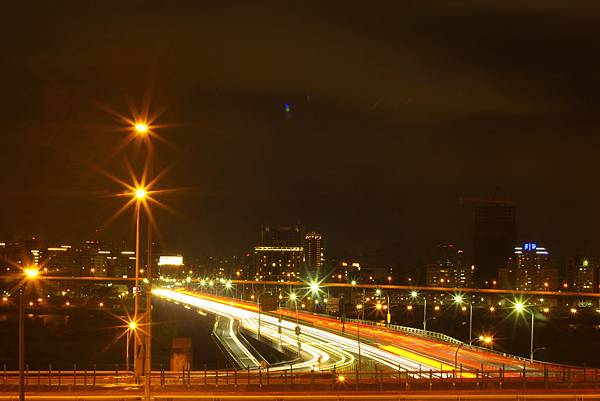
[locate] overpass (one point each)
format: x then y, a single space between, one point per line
324 343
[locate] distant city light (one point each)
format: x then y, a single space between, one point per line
170 261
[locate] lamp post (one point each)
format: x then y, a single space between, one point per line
520 308
415 295
486 340
389 311
294 299
131 327
30 273
359 307
458 299
140 195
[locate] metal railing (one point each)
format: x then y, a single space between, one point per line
287 378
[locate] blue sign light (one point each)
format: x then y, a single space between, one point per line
529 246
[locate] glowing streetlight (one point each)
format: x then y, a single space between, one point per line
520 308
460 300
30 274
131 328
415 295
140 193
141 128
314 287
353 282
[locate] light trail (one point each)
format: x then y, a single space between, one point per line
315 344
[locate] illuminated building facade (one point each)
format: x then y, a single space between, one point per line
582 273
529 270
314 252
278 263
171 266
280 255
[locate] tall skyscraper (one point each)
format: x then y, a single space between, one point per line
280 254
529 270
495 235
314 253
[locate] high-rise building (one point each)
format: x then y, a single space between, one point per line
529 270
448 268
582 273
495 234
314 253
274 263
280 255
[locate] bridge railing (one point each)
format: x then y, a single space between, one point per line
277 378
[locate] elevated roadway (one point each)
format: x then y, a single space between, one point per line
321 344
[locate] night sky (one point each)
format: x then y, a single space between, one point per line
397 111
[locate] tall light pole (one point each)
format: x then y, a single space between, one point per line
142 129
520 308
131 327
458 299
294 299
30 273
415 295
140 195
359 307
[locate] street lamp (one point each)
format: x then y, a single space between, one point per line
359 308
294 298
139 194
485 340
415 295
459 299
314 288
131 327
141 128
520 308
30 273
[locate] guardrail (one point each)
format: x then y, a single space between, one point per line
289 379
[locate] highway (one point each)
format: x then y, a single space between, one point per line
417 348
321 349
